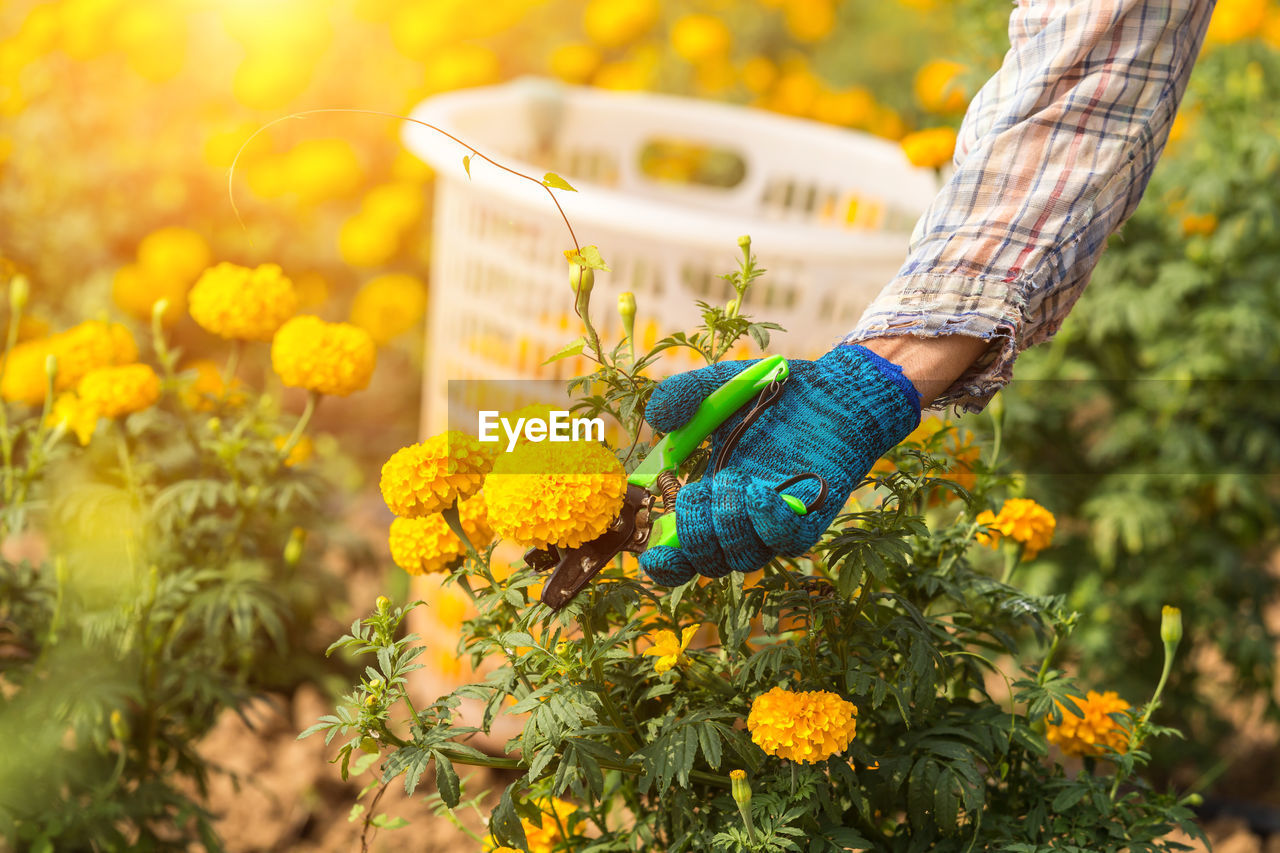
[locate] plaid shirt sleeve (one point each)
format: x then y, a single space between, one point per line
1053 156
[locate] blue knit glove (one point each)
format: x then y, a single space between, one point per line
835 417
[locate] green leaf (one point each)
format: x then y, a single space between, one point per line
383 821
569 351
357 809
447 780
504 823
551 179
466 164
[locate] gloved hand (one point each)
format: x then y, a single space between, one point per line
835 417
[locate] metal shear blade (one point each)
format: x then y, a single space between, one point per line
573 568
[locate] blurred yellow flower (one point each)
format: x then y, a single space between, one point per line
232 301
364 241
116 391
852 107
938 88
74 414
80 349
174 252
1234 20
152 34
207 387
424 478
758 74
426 545
303 449
1089 734
389 305
932 148
809 20
804 726
317 170
614 23
575 62
461 65
327 358
1022 520
397 205
668 648
268 80
548 836
23 379
135 290
1202 224
700 38
561 493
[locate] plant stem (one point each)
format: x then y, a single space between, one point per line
313 399
233 363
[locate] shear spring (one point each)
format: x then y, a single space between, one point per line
669 485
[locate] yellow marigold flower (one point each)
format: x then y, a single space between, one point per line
427 477
207 386
852 107
70 411
426 545
116 391
1089 734
364 241
321 169
136 291
1022 520
232 301
397 205
23 379
1202 224
1234 20
668 648
700 38
932 148
176 253
809 20
937 86
328 358
544 838
80 349
562 493
613 23
301 451
505 850
805 726
389 305
575 62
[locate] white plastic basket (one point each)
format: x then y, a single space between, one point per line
829 212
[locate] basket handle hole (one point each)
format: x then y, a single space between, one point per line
668 160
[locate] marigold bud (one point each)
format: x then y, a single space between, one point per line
741 787
1171 625
158 310
19 293
382 603
119 728
293 548
744 242
627 311
581 279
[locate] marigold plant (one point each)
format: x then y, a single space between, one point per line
236 302
324 358
425 478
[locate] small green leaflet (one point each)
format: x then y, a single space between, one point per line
551 179
466 164
572 349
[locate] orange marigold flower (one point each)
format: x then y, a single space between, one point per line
562 493
1022 520
1202 224
232 301
558 818
425 478
327 358
427 545
1097 730
116 391
805 726
303 449
932 148
937 86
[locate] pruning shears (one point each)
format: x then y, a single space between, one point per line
639 526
